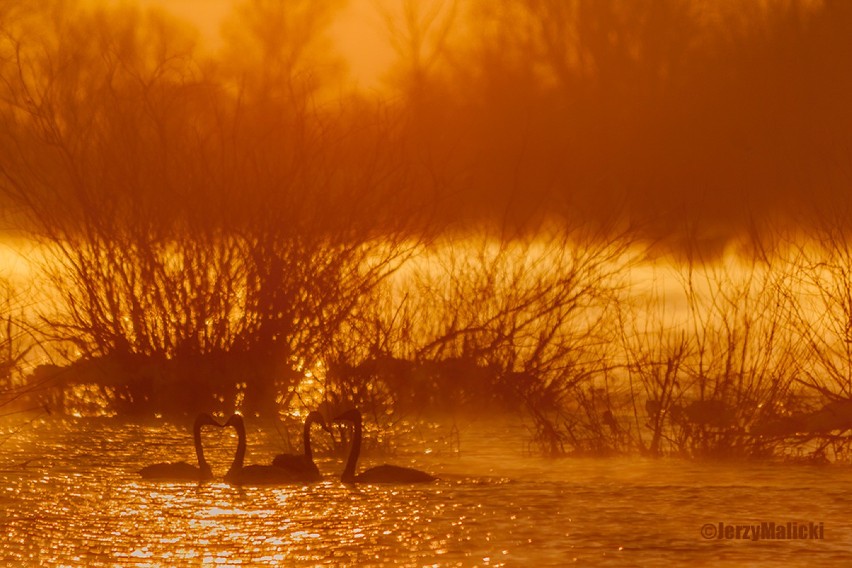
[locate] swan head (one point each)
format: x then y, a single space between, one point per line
316 417
235 421
205 419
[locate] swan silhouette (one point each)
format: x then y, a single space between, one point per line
380 474
182 470
240 474
303 464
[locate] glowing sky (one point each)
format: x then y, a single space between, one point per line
360 33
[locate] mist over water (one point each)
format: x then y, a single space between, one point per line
80 502
625 222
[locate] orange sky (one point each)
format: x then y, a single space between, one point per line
360 33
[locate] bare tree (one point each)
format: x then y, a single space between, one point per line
270 231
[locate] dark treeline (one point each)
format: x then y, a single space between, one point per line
693 119
215 230
682 117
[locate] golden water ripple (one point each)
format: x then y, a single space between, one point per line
79 502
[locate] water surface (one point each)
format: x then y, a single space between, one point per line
71 496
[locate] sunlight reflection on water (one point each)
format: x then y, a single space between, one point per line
80 502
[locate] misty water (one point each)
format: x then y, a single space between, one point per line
70 495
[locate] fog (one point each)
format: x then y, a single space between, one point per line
241 224
465 237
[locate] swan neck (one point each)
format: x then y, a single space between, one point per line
354 451
199 448
306 439
240 456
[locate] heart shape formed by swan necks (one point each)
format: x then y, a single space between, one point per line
380 474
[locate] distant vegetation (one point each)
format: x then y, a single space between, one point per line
239 230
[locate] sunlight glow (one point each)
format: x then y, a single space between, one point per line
359 31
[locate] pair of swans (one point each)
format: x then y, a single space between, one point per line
285 468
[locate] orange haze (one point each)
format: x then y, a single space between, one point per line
359 32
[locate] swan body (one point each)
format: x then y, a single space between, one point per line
240 474
380 474
392 474
183 471
303 464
